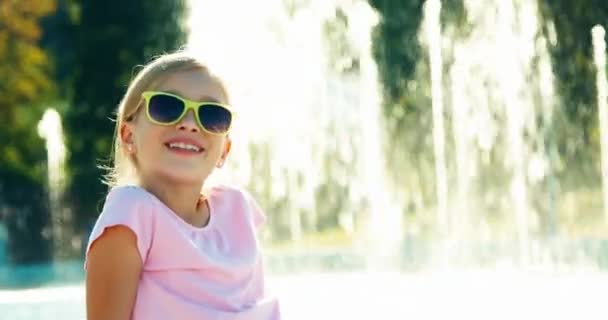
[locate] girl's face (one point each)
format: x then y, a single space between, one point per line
159 149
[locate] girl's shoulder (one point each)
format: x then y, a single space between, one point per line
128 206
226 191
237 200
229 193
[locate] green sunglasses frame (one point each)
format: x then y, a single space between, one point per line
189 105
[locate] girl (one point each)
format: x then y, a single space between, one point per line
164 247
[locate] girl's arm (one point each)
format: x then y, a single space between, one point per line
113 270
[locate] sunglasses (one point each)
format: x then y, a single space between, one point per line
168 109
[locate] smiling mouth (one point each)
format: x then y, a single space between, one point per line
184 148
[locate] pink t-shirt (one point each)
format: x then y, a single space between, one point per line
214 272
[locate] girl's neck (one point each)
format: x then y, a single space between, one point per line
183 199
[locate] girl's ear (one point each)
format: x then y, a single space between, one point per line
227 147
126 137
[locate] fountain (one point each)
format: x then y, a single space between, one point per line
599 54
49 128
320 154
432 10
385 225
499 147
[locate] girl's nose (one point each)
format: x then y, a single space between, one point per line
188 122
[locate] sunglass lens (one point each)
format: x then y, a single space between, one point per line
214 118
165 109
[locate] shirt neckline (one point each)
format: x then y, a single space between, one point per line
177 217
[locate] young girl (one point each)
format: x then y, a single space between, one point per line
164 247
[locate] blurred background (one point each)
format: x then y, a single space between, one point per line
431 153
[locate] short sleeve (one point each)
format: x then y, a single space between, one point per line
258 215
129 207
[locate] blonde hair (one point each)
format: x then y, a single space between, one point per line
123 170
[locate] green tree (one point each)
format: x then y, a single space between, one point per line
26 82
568 24
402 71
396 47
112 37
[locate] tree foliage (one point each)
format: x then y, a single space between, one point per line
78 56
26 82
568 25
112 37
